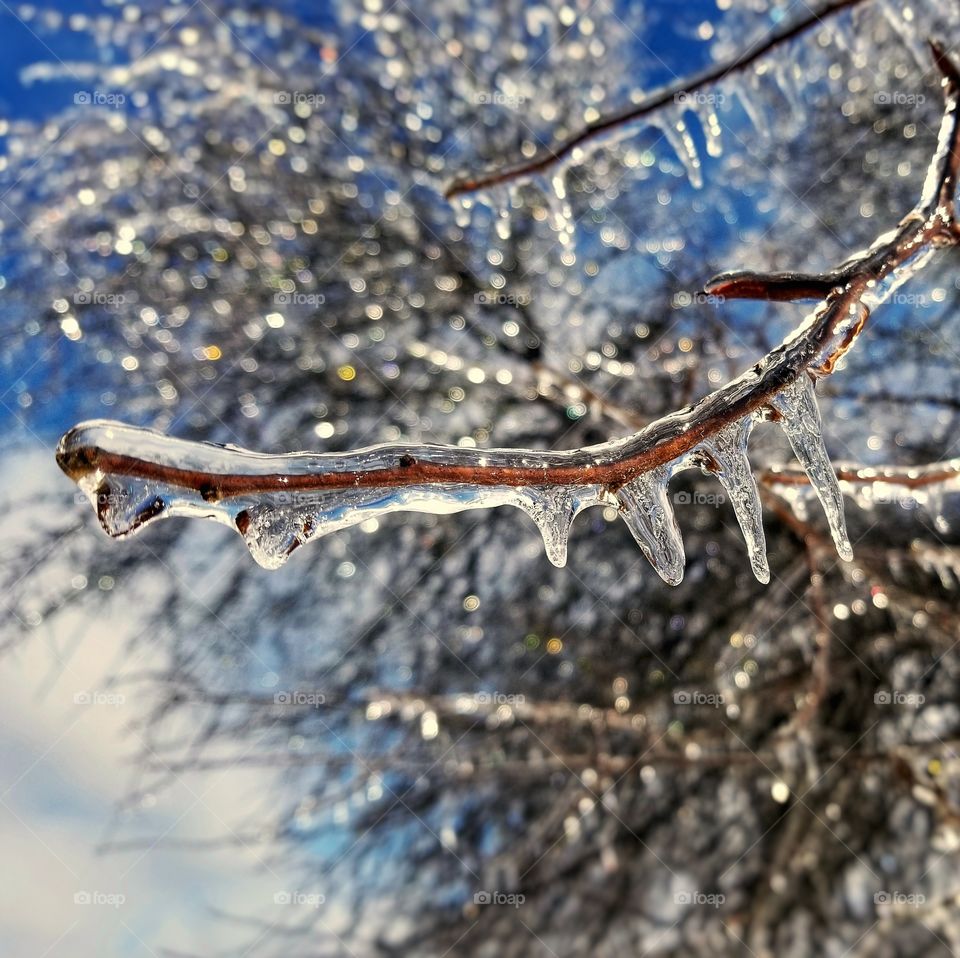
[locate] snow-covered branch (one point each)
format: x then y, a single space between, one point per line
278 503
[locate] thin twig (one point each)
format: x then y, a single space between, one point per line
909 477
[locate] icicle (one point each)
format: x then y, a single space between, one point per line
559 212
745 95
843 31
498 200
728 448
800 419
492 197
784 78
901 19
553 509
935 506
503 223
943 562
462 207
710 124
677 134
645 508
945 574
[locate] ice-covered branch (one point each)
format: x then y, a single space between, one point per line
909 478
278 503
868 486
600 129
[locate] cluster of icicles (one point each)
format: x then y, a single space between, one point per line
502 198
274 523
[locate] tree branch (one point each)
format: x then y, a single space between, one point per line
134 475
908 477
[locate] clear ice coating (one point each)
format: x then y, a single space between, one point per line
796 405
278 503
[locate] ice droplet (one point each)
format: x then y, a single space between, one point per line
645 508
935 508
677 134
123 507
728 450
796 405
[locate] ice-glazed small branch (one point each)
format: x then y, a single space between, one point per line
279 502
566 149
904 477
868 486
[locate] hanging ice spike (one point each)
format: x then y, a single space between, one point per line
553 510
728 452
677 134
645 508
799 415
